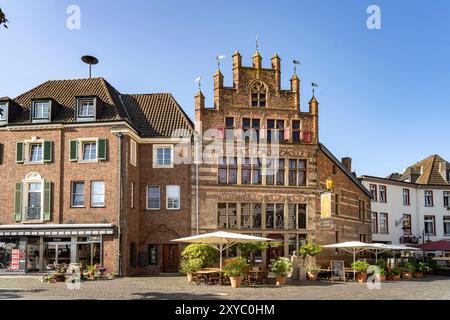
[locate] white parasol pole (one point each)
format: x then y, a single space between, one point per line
354 260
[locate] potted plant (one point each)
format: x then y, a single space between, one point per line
189 266
360 267
379 271
308 253
312 272
394 274
407 271
234 269
420 268
281 267
208 255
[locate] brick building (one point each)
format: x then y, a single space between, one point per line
84 168
261 187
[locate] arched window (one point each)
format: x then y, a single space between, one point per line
259 94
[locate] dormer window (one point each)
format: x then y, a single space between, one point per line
41 111
3 112
258 94
86 109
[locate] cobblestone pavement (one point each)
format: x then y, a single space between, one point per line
176 287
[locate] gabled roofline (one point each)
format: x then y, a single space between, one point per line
345 170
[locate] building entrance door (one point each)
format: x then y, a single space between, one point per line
170 258
273 252
57 252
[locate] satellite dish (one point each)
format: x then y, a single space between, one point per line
90 60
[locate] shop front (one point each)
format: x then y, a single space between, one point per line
39 248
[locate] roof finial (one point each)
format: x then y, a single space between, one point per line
314 85
295 62
218 58
257 43
199 81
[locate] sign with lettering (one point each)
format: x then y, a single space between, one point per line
15 259
337 270
325 205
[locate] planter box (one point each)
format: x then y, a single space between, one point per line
280 280
312 276
361 277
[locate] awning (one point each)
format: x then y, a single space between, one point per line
56 229
441 245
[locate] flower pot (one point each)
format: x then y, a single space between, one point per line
280 280
418 274
407 275
361 277
312 276
382 277
189 277
235 282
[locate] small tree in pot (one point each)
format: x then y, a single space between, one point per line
281 267
394 274
407 271
234 269
189 266
313 271
308 253
420 268
361 268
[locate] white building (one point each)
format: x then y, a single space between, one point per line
412 207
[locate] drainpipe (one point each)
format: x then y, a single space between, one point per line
119 210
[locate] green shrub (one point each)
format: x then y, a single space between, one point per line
191 265
422 267
408 267
396 271
207 254
380 268
313 268
235 267
360 266
309 249
281 267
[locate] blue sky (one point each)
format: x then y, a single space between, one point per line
384 94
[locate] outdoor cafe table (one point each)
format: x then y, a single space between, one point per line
254 276
328 271
208 276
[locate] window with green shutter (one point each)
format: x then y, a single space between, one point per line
48 152
18 202
20 151
47 200
73 150
1 153
101 147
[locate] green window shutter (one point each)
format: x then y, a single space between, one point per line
101 149
18 202
1 153
19 152
47 199
48 152
73 150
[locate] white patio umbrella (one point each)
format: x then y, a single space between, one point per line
352 247
377 248
221 240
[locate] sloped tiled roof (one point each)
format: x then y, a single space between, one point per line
428 170
157 114
153 115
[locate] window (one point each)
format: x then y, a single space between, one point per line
447 225
35 152
302 216
245 215
153 198
384 223
428 198
229 128
226 215
297 216
3 111
274 127
98 194
336 204
406 200
280 172
256 215
41 110
256 171
296 131
270 210
77 194
227 170
429 222
162 156
374 222
297 172
447 199
251 129
383 197
173 197
86 108
34 201
279 216
246 172
152 254
258 94
133 152
373 191
406 224
89 151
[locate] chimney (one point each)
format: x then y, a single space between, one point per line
257 60
237 63
347 162
218 86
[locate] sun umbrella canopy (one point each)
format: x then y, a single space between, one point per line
349 245
221 237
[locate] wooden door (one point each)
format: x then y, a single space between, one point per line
170 258
272 253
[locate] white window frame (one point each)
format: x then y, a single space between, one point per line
72 205
446 194
386 223
27 150
32 177
429 219
147 198
167 197
29 147
80 101
382 189
4 116
92 194
33 115
445 219
155 156
133 152
428 193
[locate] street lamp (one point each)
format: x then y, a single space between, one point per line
329 183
